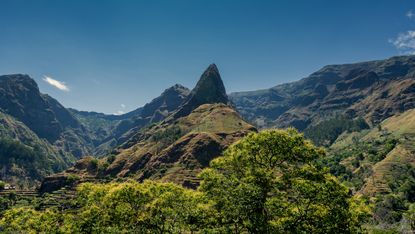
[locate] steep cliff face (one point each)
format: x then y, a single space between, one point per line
20 98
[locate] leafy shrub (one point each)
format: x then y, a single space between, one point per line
94 163
72 177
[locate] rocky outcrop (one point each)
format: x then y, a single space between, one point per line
209 89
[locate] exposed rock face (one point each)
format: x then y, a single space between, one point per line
209 89
42 137
357 80
334 90
61 135
390 98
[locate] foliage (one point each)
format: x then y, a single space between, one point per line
27 220
389 209
72 177
379 163
128 207
266 183
359 154
410 217
134 207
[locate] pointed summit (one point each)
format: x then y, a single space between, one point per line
209 89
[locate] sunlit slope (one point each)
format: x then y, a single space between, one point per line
176 151
379 160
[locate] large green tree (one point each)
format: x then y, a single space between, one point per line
268 182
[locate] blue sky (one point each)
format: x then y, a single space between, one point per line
114 56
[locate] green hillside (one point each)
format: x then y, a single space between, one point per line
379 163
175 149
26 159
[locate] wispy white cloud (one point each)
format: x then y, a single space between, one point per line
410 14
56 83
405 42
120 112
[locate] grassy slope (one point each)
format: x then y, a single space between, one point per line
175 149
402 128
380 175
176 144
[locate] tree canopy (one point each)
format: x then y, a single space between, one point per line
268 182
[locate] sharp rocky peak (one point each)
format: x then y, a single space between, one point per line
209 89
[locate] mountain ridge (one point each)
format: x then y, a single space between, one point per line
328 92
366 93
20 97
178 147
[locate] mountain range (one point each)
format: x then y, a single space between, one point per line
177 134
372 90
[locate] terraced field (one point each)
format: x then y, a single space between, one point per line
380 157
